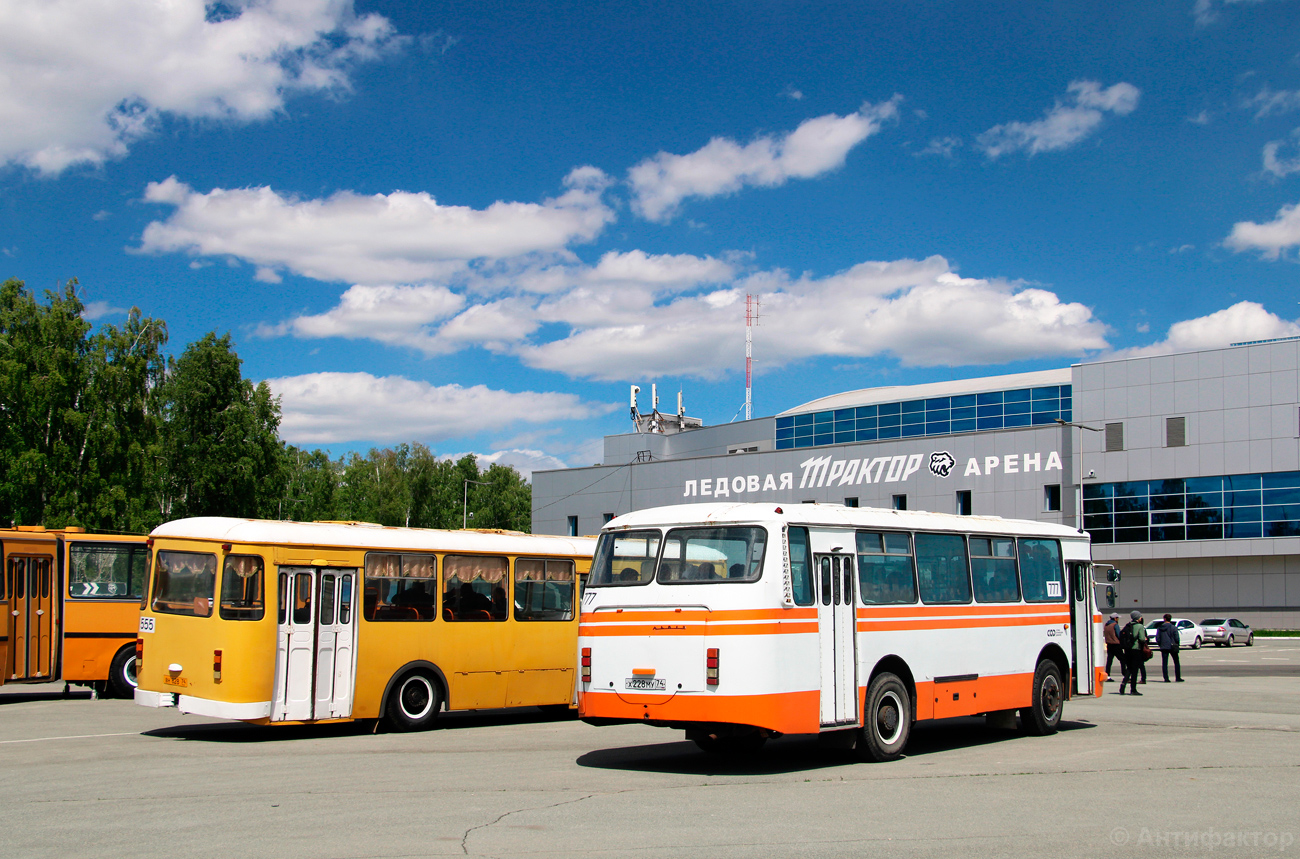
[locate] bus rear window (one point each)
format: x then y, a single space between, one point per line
624 558
184 583
105 571
700 555
241 588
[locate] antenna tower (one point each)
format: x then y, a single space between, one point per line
751 313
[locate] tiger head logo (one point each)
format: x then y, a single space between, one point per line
941 463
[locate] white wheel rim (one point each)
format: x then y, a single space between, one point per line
420 683
128 672
888 718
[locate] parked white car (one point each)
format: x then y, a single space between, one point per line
1227 631
1190 634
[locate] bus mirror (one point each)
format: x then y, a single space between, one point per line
1112 575
1110 597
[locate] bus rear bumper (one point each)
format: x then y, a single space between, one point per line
241 712
155 699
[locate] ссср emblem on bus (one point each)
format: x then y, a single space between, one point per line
941 463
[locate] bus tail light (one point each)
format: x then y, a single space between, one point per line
216 666
711 664
586 665
139 655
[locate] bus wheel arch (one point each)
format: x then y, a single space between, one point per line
414 696
895 665
1049 693
121 672
889 712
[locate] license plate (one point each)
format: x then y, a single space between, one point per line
175 681
651 683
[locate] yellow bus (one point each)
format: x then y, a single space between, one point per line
72 605
293 622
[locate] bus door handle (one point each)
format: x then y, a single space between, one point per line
40 611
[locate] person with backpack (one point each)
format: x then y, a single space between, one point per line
1110 633
1133 638
1167 641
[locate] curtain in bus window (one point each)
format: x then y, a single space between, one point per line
941 568
99 571
543 589
624 558
242 587
885 568
801 574
400 587
1040 570
474 587
185 583
993 569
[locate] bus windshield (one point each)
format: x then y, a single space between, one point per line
624 558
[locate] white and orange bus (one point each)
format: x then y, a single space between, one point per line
293 622
740 622
71 607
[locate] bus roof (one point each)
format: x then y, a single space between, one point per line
836 515
360 535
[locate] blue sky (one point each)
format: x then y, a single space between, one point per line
473 225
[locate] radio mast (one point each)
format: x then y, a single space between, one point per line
751 313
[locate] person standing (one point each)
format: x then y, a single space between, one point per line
1110 633
1132 638
1167 641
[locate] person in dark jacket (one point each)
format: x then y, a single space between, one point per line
1110 633
1133 652
1167 641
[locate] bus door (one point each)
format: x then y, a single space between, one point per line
837 624
1081 632
316 653
31 605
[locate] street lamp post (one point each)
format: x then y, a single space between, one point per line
1082 474
464 510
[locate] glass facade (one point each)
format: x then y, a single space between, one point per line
1193 508
994 410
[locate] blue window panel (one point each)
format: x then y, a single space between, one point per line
1016 408
990 423
804 420
890 408
937 403
964 425
866 412
1281 479
1205 532
845 436
823 438
913 406
964 401
1103 535
1243 498
1169 532
1131 535
1099 490
1171 517
1176 486
866 424
1167 502
936 428
1282 496
785 422
991 398
1052 393
890 420
844 426
866 434
1066 415
1280 512
1043 419
1203 500
1097 505
1130 489
1067 390
1283 529
1020 395
994 411
1131 520
1016 421
784 432
1243 514
1102 520
1130 504
784 443
889 432
845 414
1204 484
912 430
1047 407
822 418
1242 481
1243 529
963 414
1207 516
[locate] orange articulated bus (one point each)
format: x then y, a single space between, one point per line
294 622
72 607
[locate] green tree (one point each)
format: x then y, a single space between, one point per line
220 452
311 486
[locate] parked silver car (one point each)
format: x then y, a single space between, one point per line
1227 631
1189 633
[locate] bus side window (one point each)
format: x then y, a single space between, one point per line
284 597
345 599
302 598
241 588
801 573
885 575
826 582
942 568
1040 570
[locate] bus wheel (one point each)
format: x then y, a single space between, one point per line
1044 715
728 745
888 721
414 703
121 674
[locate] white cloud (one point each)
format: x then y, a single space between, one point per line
1270 102
722 166
791 93
328 408
383 238
1240 323
80 80
1065 124
1271 239
1206 11
944 146
1280 165
525 461
100 309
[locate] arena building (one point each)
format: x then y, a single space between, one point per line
1189 465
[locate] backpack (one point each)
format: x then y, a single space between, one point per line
1126 638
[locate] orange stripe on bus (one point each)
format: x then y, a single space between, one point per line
787 712
912 610
699 629
958 623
